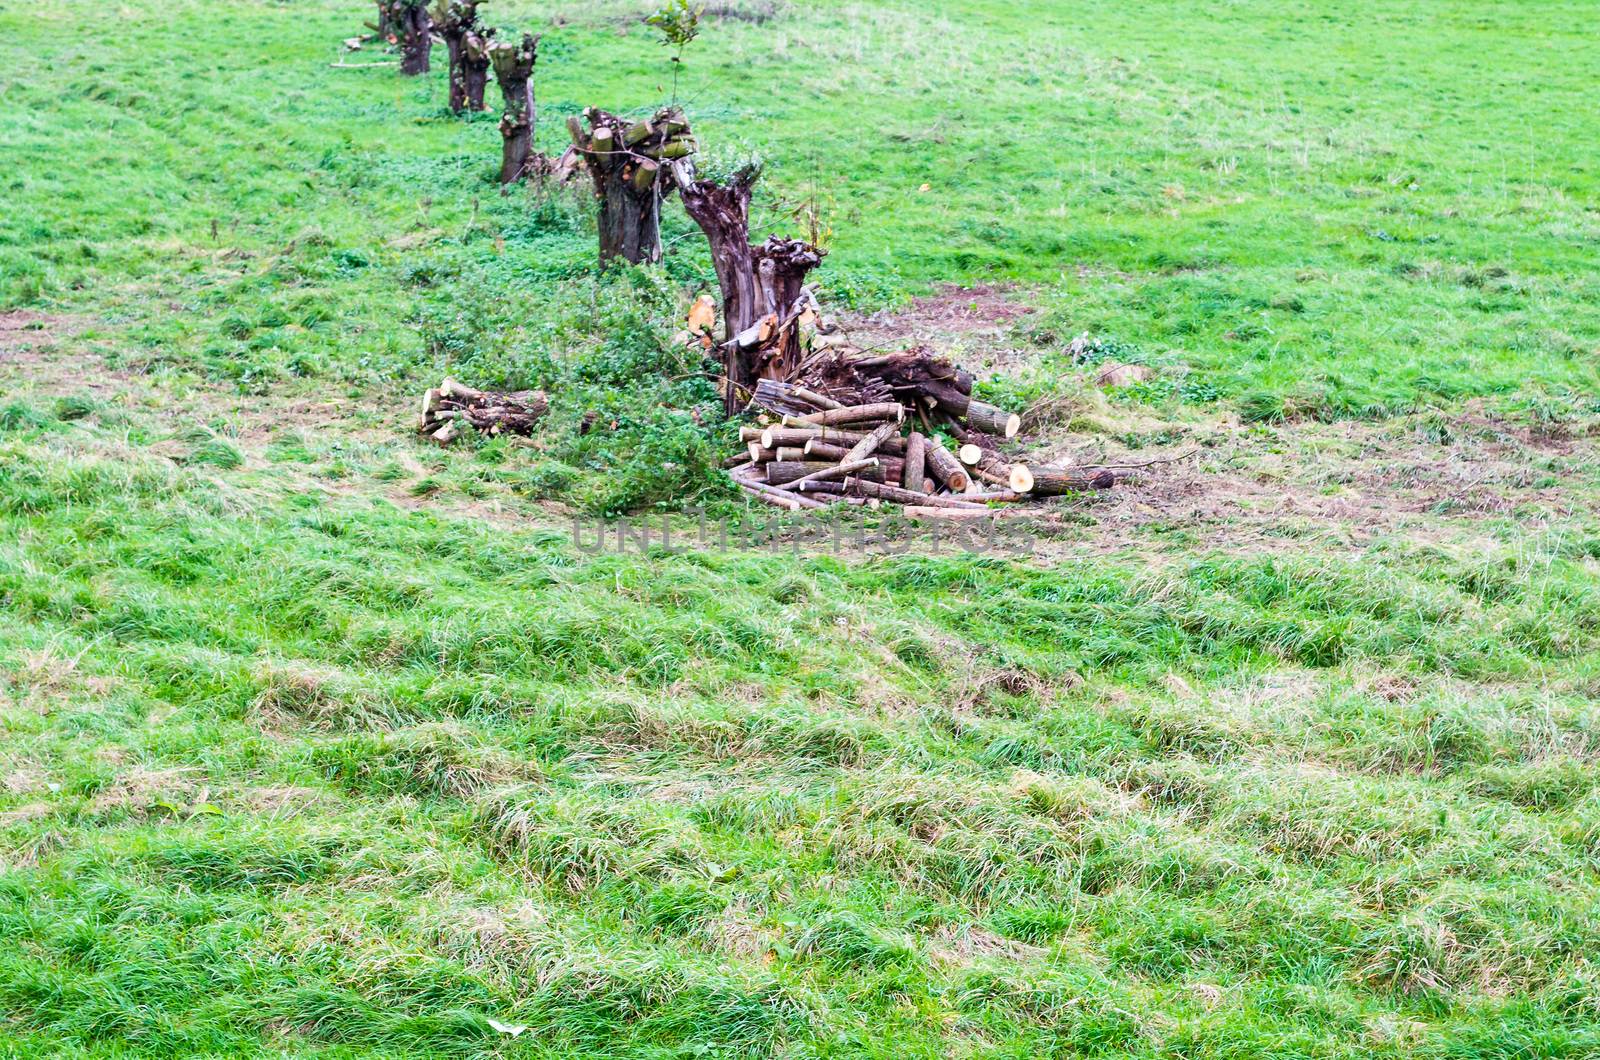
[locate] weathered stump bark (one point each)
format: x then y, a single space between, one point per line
513 68
630 163
475 68
411 28
466 41
761 285
385 27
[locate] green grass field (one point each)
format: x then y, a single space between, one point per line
319 741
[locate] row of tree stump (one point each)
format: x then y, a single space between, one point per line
411 25
635 166
846 427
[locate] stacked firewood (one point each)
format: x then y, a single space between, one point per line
446 407
865 431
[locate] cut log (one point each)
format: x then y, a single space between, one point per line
816 399
838 471
992 420
455 391
869 445
789 452
820 486
888 410
932 512
771 494
638 133
815 449
1050 482
900 495
895 446
993 469
944 467
912 477
776 497
970 454
781 474
771 437
513 68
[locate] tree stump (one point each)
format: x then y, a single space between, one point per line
630 163
385 27
412 29
475 67
761 285
466 41
513 68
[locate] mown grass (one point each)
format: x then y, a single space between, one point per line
293 766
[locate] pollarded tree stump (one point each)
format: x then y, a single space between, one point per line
385 28
466 41
630 163
513 68
762 285
412 29
475 68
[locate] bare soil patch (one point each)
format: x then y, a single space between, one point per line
972 320
26 335
1346 485
1445 481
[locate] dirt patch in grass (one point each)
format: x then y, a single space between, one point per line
1338 486
971 322
1431 478
26 336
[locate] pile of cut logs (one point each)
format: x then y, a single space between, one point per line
449 405
846 431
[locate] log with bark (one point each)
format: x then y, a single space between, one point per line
410 27
931 388
1051 482
916 456
943 467
630 163
449 406
745 479
513 68
763 286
